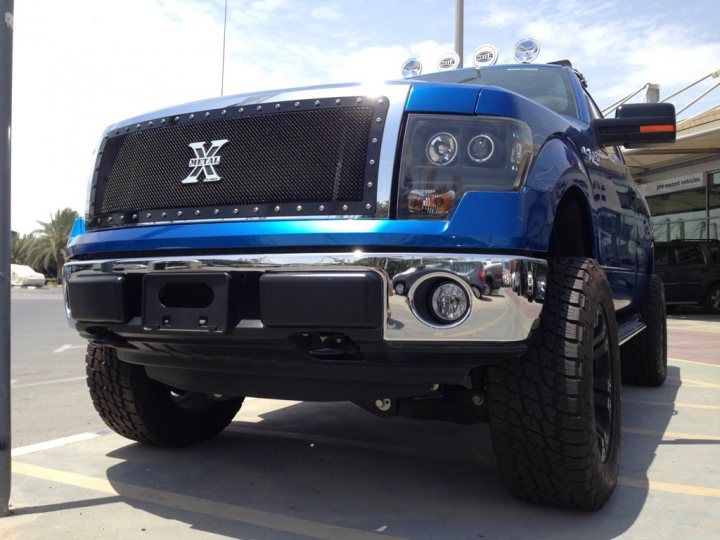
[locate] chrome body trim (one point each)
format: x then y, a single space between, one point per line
508 314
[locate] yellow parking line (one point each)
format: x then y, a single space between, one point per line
670 435
707 364
673 404
207 507
682 489
695 382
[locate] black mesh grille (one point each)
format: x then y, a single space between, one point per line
319 155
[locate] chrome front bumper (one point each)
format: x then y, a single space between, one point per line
506 314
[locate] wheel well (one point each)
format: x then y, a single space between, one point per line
571 232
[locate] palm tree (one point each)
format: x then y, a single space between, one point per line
49 247
20 248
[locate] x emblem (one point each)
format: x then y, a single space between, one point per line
204 162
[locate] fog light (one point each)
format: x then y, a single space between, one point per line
449 302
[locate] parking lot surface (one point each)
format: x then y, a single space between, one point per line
291 470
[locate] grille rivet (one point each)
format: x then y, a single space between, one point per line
359 100
110 219
117 132
380 100
127 129
299 208
277 208
197 212
374 140
138 126
378 119
297 103
98 220
241 110
277 105
179 213
317 102
259 107
207 114
337 101
370 184
164 214
150 123
216 211
134 216
224 112
148 215
162 121
256 209
176 119
345 207
368 206
122 218
235 210
191 116
322 208
372 162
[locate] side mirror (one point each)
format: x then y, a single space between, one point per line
636 125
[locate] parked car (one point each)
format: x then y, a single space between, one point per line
22 275
247 246
690 270
473 273
494 275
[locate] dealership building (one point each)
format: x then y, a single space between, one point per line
682 182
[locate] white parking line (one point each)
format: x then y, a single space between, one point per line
67 347
56 443
44 383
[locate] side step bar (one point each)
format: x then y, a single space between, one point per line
629 329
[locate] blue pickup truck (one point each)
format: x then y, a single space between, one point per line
247 245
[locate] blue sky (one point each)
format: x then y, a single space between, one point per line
81 65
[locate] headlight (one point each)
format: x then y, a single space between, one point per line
481 148
445 156
441 149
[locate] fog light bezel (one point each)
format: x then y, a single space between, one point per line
420 299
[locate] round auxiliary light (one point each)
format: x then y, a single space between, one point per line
480 148
441 148
449 302
526 50
411 68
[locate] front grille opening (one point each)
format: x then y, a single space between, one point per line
317 161
186 295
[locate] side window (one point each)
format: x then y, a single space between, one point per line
689 255
595 113
714 254
662 256
593 108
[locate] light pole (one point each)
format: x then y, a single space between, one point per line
6 41
459 23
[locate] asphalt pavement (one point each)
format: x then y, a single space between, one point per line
287 470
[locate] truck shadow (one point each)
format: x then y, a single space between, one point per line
332 464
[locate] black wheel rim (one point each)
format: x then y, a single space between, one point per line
715 299
602 385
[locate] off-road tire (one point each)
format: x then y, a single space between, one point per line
712 299
144 410
555 413
644 357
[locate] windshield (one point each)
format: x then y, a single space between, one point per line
548 86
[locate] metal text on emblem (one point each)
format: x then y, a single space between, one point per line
204 162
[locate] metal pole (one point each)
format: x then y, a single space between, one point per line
6 41
459 8
222 75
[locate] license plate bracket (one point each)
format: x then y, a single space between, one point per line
186 302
